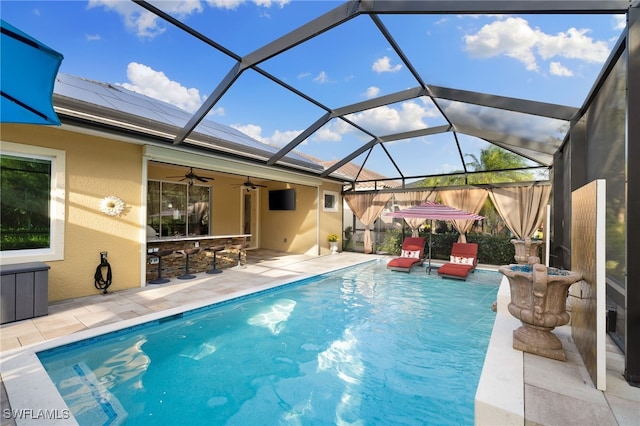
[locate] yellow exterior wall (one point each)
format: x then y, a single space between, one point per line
304 230
226 205
291 231
96 168
330 222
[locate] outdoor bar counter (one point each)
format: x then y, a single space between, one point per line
173 264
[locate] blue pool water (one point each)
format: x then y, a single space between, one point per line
361 346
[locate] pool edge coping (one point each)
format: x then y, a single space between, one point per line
499 396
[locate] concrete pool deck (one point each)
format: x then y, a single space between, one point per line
546 392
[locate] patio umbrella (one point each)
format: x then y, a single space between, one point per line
28 70
434 211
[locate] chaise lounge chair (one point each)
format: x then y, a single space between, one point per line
412 255
463 260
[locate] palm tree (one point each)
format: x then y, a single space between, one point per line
501 166
496 159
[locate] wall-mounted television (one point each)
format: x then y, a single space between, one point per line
282 199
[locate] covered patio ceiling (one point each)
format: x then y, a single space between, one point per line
459 123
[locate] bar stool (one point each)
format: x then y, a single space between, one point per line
186 253
239 247
159 255
215 250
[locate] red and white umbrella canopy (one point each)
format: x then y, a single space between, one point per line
435 211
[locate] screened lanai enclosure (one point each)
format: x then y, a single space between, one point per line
402 101
426 121
423 104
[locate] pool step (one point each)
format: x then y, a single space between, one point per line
90 401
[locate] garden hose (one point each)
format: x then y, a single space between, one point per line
101 282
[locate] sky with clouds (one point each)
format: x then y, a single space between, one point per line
546 58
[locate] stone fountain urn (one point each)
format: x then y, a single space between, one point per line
525 249
539 300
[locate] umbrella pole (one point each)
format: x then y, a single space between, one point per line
430 234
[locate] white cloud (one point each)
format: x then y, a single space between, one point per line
514 37
220 111
573 44
252 130
619 22
269 3
92 37
520 125
511 37
328 134
280 139
233 4
147 25
321 78
372 92
383 120
157 85
142 22
384 65
556 68
225 4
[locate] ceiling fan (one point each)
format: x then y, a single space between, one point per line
250 185
192 177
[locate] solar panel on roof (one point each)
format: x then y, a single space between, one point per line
124 101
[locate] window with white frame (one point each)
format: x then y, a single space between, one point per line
330 201
32 203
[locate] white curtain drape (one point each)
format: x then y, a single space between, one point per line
522 208
367 207
468 200
415 198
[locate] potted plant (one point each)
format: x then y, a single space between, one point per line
333 243
539 300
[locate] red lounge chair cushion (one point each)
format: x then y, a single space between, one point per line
412 253
466 250
455 270
403 263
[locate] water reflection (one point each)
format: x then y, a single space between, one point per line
275 317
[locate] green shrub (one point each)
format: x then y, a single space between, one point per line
493 249
392 242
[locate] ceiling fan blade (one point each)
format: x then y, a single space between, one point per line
252 185
191 176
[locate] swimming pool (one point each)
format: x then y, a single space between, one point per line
359 346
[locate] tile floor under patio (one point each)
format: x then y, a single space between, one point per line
555 393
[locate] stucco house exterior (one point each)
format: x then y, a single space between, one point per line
116 143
